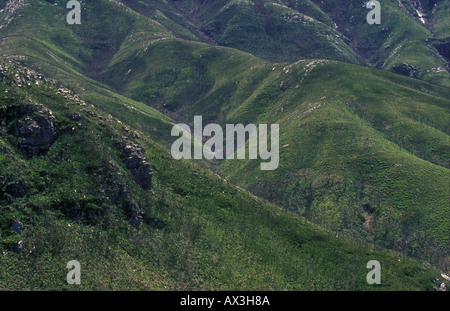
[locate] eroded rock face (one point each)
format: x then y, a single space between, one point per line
83 212
17 189
111 187
156 223
38 134
8 113
135 214
76 117
17 248
406 70
17 227
140 169
5 150
34 124
137 163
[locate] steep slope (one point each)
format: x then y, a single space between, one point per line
277 31
44 40
408 41
378 140
183 79
364 152
400 44
169 225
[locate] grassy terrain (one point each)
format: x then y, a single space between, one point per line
276 31
64 53
357 143
400 39
215 235
291 30
363 152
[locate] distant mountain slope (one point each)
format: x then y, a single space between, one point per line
377 139
77 184
44 40
364 151
408 41
274 30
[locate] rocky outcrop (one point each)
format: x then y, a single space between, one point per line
110 186
38 134
140 169
75 117
17 227
156 223
135 214
407 70
439 284
5 150
34 124
17 189
17 248
136 162
83 212
8 113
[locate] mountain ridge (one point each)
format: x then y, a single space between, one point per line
384 185
192 230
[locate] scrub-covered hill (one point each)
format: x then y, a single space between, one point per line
412 38
77 184
363 151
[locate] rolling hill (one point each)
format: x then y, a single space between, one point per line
412 39
71 191
363 151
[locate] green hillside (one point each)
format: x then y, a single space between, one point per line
405 42
379 140
78 198
363 174
272 30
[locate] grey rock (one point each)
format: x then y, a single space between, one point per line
89 112
17 227
157 223
17 248
35 125
135 214
128 149
75 212
5 150
38 134
76 117
406 70
110 183
136 162
133 162
17 189
82 212
140 170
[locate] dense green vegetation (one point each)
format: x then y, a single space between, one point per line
290 30
363 154
210 235
351 136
